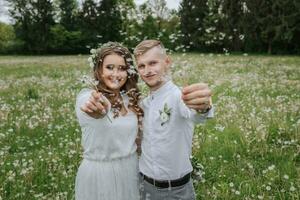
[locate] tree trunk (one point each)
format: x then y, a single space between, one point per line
270 47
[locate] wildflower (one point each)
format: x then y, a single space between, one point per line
241 37
93 51
131 71
93 83
292 188
219 127
272 167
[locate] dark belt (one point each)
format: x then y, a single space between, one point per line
165 184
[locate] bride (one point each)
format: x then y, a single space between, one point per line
109 118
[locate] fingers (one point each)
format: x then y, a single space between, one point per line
197 101
94 105
99 97
95 95
200 104
85 109
194 87
91 105
92 108
196 94
105 102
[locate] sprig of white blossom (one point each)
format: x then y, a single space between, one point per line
88 81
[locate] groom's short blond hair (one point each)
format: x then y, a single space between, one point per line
146 45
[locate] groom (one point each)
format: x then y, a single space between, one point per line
168 126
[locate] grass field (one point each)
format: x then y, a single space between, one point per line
250 150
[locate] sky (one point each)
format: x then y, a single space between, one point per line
172 4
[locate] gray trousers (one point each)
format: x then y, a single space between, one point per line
150 192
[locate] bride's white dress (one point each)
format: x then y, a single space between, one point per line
109 169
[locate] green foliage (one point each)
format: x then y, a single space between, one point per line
233 12
33 20
271 26
64 41
31 93
69 26
192 15
88 22
151 20
99 22
7 37
6 33
67 12
109 21
232 25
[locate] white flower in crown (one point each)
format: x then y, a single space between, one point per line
165 114
92 58
93 51
94 54
131 70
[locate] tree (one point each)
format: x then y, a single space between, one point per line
67 13
7 37
214 35
64 41
100 22
276 23
110 22
33 20
232 21
88 22
159 11
268 21
149 27
192 14
249 26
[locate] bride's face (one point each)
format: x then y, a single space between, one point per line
114 72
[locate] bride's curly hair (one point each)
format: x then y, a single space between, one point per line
130 86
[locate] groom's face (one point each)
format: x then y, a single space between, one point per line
153 67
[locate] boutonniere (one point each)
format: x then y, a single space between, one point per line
165 114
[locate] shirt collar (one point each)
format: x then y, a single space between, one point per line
163 89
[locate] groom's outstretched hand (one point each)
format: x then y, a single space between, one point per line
197 96
97 105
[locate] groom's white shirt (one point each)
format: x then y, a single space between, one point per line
166 148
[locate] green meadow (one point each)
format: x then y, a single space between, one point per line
250 150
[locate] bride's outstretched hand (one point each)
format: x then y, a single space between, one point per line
97 106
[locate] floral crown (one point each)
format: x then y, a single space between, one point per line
94 57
